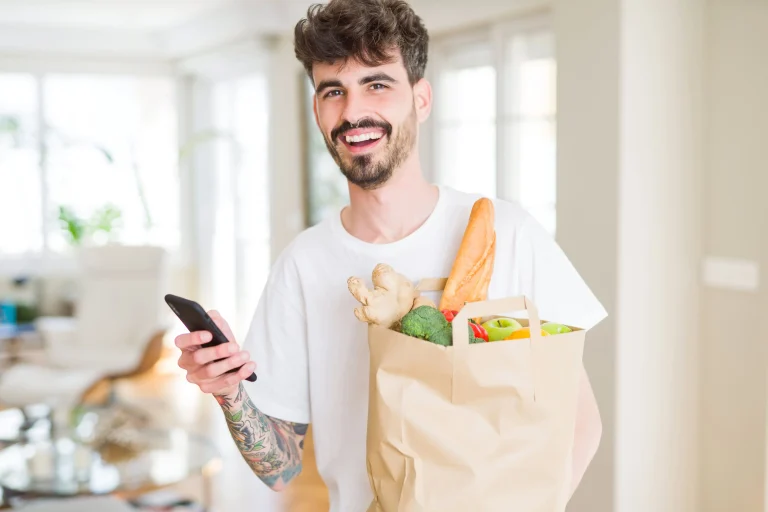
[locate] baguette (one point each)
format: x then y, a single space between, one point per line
473 267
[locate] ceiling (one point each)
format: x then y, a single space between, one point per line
172 29
122 14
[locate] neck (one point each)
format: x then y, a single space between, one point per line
393 211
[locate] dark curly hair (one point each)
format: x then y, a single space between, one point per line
364 30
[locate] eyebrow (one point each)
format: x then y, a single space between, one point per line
376 77
327 84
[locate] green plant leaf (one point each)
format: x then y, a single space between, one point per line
74 226
106 154
9 124
105 219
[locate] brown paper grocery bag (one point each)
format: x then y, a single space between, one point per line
484 427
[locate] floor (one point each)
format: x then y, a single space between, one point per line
171 400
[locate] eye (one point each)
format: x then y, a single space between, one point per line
378 86
332 93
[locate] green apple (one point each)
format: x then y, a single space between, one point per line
500 328
553 328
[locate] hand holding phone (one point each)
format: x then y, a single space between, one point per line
209 360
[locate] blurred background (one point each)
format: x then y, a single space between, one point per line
169 145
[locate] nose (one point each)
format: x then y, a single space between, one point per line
355 108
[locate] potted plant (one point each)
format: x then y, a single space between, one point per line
81 230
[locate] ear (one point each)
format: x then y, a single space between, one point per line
422 96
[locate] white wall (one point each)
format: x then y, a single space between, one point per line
628 162
587 40
287 156
734 342
659 255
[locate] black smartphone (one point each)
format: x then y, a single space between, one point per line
194 317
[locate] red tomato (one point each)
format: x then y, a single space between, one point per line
449 314
479 331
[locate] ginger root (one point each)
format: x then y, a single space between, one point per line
423 301
392 297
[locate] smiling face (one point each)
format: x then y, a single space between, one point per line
369 117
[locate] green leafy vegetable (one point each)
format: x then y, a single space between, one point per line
428 323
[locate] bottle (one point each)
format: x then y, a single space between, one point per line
24 299
7 312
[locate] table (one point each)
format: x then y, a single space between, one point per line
12 336
63 467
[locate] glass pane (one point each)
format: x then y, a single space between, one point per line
532 145
466 129
466 157
113 145
242 250
227 152
530 120
21 220
531 75
467 94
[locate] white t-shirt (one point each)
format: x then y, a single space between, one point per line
312 353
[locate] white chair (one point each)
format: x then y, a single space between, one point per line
117 330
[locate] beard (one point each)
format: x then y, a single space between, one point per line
370 171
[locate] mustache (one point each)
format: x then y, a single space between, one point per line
363 123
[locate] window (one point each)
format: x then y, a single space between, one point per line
241 228
466 119
530 123
495 115
20 180
99 150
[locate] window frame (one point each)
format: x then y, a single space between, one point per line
496 36
47 262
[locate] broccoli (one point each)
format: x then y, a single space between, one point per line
428 323
442 337
423 322
474 339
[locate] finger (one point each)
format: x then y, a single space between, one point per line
214 370
187 362
227 381
207 355
221 324
192 340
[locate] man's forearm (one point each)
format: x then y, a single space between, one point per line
271 447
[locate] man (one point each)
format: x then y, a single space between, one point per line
366 60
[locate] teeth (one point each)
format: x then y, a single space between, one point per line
363 137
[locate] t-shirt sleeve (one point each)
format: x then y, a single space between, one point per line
551 281
277 343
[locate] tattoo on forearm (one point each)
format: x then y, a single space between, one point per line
271 447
